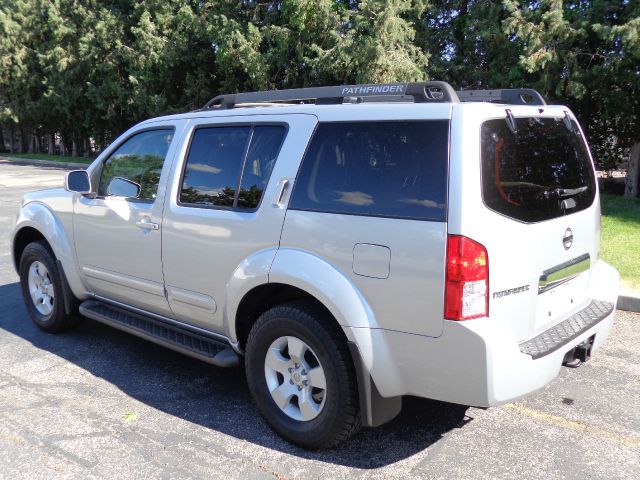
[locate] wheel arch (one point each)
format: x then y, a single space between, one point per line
21 239
263 297
294 274
37 222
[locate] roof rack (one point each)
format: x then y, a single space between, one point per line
419 92
510 96
423 92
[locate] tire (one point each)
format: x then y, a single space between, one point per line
42 290
308 416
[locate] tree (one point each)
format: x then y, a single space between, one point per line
588 53
467 46
378 44
285 44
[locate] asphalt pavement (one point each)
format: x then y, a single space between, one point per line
98 403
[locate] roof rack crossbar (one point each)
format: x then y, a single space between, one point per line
511 96
422 92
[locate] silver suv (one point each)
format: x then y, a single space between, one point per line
352 244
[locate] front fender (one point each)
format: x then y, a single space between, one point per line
57 229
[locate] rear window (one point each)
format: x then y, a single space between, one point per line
389 169
540 172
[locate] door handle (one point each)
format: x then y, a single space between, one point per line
146 224
282 190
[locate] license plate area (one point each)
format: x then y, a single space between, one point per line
560 302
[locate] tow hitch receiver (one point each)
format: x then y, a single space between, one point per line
579 354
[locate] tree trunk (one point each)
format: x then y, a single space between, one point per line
21 141
633 172
51 144
74 148
2 145
63 147
87 147
11 140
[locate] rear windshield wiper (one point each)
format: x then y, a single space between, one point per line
569 192
564 192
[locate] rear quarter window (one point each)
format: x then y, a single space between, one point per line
540 172
390 169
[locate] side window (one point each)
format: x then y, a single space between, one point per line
388 169
137 165
263 152
230 166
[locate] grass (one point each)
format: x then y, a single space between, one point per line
620 240
44 156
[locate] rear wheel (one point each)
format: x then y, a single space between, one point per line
42 289
301 376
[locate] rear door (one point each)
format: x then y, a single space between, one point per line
224 206
539 217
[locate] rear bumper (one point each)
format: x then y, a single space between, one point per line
564 333
477 363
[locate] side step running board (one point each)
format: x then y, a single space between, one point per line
184 341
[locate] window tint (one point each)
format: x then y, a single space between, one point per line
263 151
138 160
541 172
215 163
395 169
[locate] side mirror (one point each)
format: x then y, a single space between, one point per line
77 181
123 187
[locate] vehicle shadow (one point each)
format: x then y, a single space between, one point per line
217 398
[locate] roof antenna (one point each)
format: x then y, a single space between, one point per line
511 121
567 122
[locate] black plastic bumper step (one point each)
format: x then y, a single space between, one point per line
561 334
191 343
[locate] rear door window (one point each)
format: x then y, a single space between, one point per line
540 172
390 169
230 166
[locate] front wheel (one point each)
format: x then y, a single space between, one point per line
42 289
301 376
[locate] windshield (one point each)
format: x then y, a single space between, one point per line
540 172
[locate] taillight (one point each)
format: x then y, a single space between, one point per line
466 293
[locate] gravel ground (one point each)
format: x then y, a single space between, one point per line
97 403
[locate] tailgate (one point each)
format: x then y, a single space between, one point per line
539 218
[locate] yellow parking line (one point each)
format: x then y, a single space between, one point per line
633 442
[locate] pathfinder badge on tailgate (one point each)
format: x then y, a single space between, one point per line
510 291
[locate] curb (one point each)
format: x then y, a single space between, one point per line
629 300
44 163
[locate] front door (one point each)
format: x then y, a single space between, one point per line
118 233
